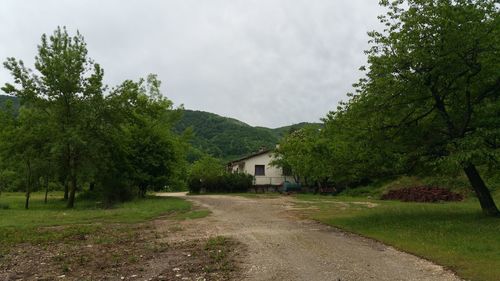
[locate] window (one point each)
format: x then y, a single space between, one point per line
260 170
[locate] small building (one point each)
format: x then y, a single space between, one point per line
258 165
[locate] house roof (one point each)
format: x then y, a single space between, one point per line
250 156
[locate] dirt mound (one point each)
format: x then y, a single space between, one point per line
422 194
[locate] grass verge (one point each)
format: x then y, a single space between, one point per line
456 235
52 221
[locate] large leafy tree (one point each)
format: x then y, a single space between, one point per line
302 154
68 129
64 80
154 154
433 86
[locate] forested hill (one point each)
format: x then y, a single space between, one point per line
222 137
228 138
4 99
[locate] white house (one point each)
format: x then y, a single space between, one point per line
258 165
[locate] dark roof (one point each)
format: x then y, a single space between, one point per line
250 156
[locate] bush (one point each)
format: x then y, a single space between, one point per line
225 183
109 192
4 206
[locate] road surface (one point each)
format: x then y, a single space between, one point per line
282 246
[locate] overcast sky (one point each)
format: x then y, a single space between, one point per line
265 62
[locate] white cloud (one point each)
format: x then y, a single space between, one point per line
267 63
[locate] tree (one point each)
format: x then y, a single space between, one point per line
206 168
432 87
153 153
66 79
24 140
120 144
307 155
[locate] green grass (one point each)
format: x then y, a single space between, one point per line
52 221
456 235
194 214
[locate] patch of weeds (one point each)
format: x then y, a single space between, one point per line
3 255
156 247
215 242
83 260
105 240
58 258
65 268
133 259
115 259
175 228
218 249
191 215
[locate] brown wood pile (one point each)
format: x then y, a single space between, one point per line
422 194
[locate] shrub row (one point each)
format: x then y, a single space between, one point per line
225 183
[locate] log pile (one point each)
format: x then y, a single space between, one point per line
422 194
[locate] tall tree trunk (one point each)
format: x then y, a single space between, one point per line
66 190
37 184
317 187
72 192
68 170
28 186
482 192
92 186
27 202
46 189
142 191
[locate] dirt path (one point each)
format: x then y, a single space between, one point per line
284 247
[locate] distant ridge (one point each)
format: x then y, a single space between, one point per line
229 138
5 98
222 137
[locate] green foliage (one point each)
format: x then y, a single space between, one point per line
209 175
70 130
223 137
206 168
302 152
427 105
434 71
227 138
8 101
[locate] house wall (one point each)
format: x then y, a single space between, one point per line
273 175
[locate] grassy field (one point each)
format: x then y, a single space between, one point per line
455 235
42 222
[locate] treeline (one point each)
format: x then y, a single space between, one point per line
429 103
73 133
227 138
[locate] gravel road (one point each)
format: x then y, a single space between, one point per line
282 246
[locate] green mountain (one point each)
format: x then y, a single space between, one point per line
228 138
222 137
5 99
